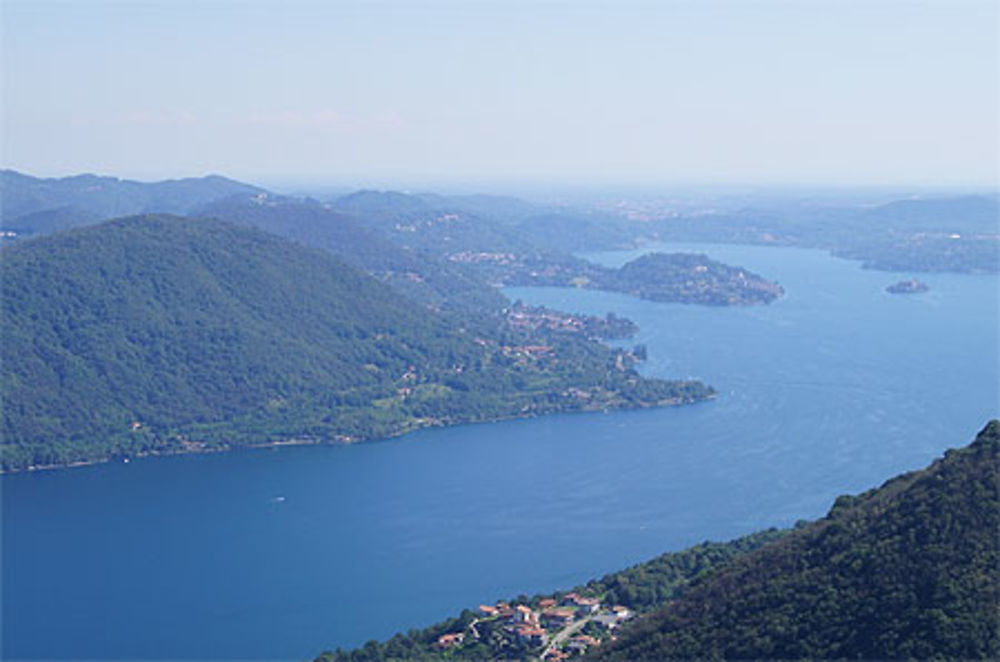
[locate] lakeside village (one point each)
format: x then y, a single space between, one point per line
551 630
534 319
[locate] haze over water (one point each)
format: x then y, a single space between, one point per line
283 553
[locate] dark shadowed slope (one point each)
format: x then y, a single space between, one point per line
909 570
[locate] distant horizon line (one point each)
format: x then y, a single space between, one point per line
555 184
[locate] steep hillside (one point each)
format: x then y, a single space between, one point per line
421 277
639 589
908 570
452 224
163 334
439 229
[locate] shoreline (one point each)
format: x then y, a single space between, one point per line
428 423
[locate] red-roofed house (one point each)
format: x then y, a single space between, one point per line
524 614
531 635
558 617
588 605
621 613
449 640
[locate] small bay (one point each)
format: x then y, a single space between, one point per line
282 553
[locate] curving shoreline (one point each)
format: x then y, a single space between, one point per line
198 448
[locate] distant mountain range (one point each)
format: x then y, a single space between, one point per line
40 206
958 233
431 248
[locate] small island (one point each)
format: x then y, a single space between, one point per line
912 286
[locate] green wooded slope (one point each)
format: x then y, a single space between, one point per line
164 334
909 570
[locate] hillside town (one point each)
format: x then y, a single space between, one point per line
539 318
547 629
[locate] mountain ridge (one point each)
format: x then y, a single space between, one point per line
86 198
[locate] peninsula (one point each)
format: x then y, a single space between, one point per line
160 334
691 278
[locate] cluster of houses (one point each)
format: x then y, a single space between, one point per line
577 645
540 627
522 317
428 222
533 319
530 351
474 257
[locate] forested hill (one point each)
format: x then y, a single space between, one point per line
164 334
447 225
909 570
420 276
168 322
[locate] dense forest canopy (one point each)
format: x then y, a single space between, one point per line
421 276
908 570
165 334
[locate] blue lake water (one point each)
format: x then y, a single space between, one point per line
284 553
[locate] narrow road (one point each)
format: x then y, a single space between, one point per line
565 634
472 628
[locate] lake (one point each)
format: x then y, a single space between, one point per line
283 553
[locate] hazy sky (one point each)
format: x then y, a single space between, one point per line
658 93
